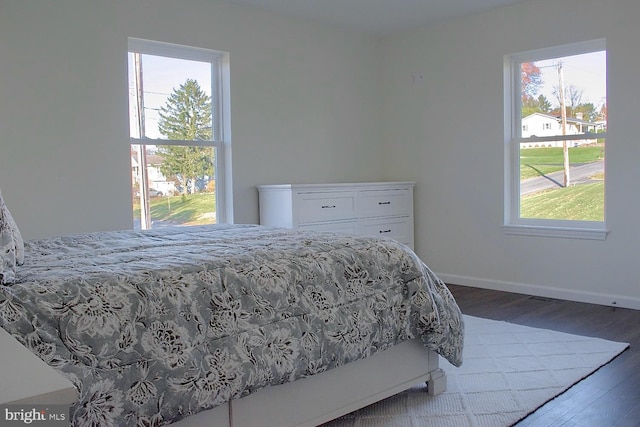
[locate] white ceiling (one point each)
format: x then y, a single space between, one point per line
376 17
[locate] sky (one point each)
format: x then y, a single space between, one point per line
161 75
587 72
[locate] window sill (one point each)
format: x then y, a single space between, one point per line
551 231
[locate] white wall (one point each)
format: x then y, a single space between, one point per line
304 100
446 133
311 103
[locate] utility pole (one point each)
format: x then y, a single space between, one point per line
563 117
145 213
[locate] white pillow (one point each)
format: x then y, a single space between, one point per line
11 244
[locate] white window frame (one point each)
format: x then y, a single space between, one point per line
220 108
513 223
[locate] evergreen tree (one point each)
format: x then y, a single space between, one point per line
186 116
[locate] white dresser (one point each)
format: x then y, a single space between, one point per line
369 209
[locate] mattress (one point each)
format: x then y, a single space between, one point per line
152 326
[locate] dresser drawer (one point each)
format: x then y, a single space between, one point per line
341 227
375 203
395 228
319 207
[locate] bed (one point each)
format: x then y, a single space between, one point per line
227 324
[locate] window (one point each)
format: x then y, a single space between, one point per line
179 134
555 177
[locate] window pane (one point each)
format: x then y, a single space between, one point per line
181 185
174 115
170 98
563 179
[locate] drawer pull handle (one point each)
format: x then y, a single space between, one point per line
328 206
384 203
384 231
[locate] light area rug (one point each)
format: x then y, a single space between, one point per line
508 372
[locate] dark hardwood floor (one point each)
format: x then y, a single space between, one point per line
609 397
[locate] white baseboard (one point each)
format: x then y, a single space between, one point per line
543 291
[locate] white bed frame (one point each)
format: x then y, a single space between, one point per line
323 397
304 403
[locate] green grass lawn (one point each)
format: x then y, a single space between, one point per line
583 202
541 161
193 209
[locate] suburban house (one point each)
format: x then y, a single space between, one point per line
155 178
540 124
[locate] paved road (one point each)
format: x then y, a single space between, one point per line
579 173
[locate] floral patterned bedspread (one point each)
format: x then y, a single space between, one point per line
156 325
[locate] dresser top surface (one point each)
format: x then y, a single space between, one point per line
340 185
